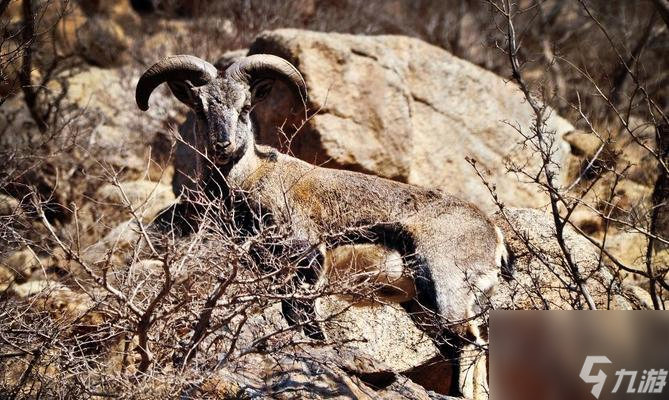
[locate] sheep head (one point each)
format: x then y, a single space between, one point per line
221 101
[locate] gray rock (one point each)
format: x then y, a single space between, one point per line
542 279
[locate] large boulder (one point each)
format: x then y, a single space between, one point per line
386 334
543 280
403 109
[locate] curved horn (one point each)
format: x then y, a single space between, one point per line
245 69
173 68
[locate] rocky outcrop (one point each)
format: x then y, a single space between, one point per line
625 196
543 280
96 133
403 109
386 334
341 368
96 106
315 372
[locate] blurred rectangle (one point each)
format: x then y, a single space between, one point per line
578 355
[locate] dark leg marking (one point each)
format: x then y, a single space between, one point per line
307 262
508 267
309 265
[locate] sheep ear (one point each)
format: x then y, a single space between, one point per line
184 91
261 90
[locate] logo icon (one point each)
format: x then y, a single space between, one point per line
598 379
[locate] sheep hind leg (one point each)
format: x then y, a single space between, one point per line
460 336
464 352
473 368
472 371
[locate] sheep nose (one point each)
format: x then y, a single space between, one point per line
224 144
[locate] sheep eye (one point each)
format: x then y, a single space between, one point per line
261 90
246 109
